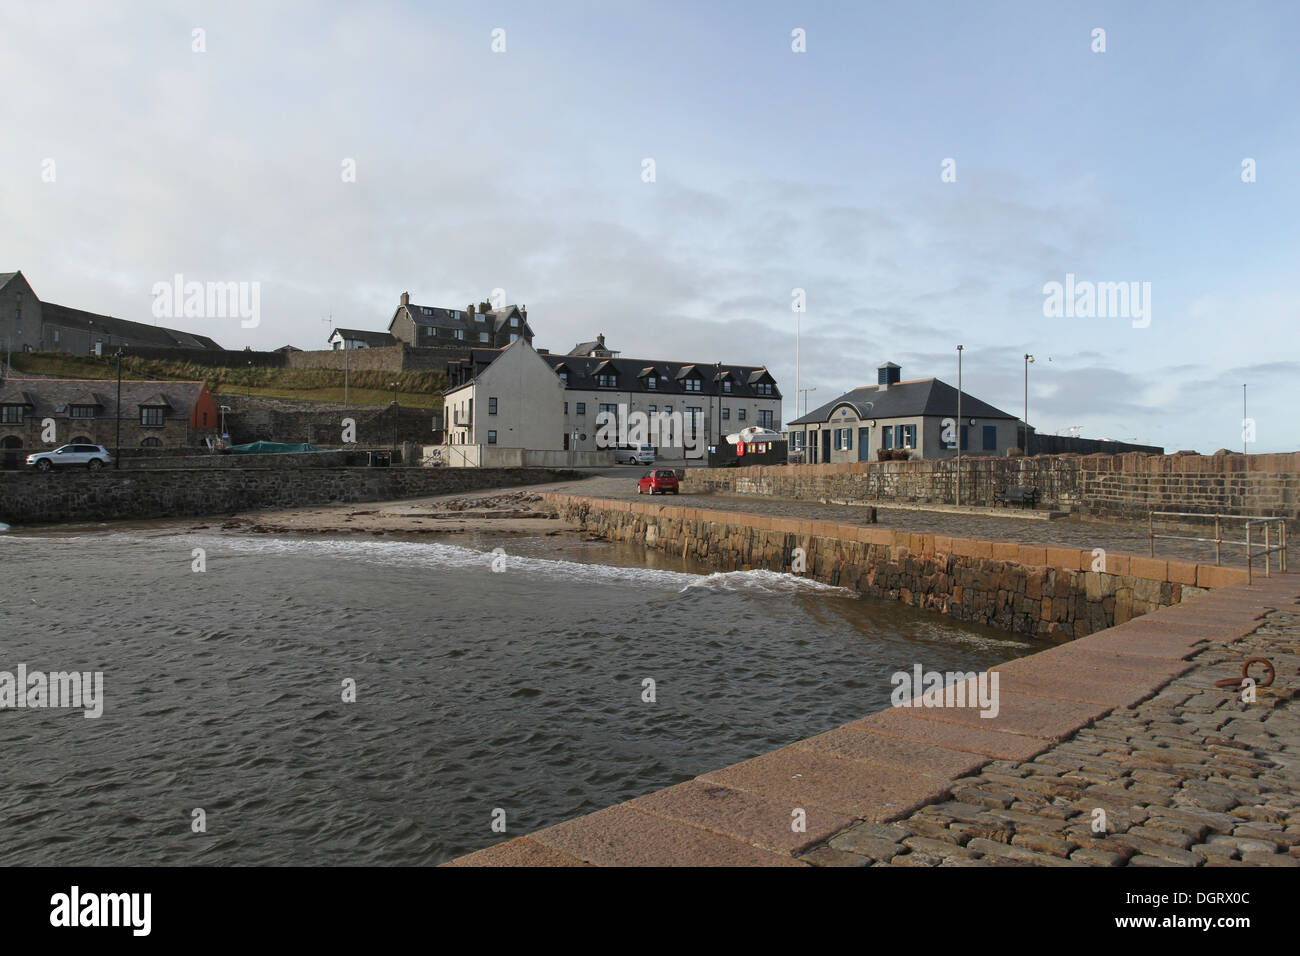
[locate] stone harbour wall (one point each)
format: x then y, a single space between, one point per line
1052 593
1124 486
34 498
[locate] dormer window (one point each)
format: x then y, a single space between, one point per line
81 411
564 377
428 311
652 382
607 380
726 386
692 384
152 417
11 414
763 388
514 321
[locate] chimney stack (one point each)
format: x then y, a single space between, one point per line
406 298
600 340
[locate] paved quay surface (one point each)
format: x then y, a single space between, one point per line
1119 537
1126 721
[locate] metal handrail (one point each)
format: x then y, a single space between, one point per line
1218 538
1269 551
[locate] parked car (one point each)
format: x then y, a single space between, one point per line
643 454
663 481
92 456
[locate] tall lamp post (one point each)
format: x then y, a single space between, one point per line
1028 358
1243 418
959 425
117 442
717 387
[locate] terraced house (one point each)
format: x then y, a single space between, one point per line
917 416
719 398
41 413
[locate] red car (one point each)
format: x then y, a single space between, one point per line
663 481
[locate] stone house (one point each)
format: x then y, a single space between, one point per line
42 413
424 326
919 416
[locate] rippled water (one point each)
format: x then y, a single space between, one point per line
476 690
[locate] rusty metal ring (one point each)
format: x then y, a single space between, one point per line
1245 668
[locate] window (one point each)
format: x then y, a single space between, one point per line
151 443
692 385
492 438
905 436
492 405
887 436
582 408
564 377
836 439
514 321
740 414
460 333
608 414
668 409
765 419
428 311
726 386
566 408
607 380
480 318
652 382
81 411
514 336
848 439
12 415
726 414
990 437
151 416
482 338
763 388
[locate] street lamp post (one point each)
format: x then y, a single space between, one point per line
117 443
959 425
1243 418
1028 358
395 413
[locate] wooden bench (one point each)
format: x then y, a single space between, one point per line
1024 495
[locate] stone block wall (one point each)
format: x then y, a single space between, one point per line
1051 593
30 498
1123 486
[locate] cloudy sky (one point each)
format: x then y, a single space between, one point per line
774 170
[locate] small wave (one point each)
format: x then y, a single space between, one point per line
763 580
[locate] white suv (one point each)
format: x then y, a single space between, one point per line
92 456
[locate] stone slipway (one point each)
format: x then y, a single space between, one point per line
923 767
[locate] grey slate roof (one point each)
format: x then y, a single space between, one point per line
52 396
122 330
583 370
920 397
374 340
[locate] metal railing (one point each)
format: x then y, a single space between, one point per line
1269 549
1219 540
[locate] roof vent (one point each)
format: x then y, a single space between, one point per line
887 375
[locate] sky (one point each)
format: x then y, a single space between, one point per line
922 171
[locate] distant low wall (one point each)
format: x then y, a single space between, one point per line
1052 593
33 498
495 456
1125 486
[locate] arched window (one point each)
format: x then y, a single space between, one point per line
81 440
151 443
